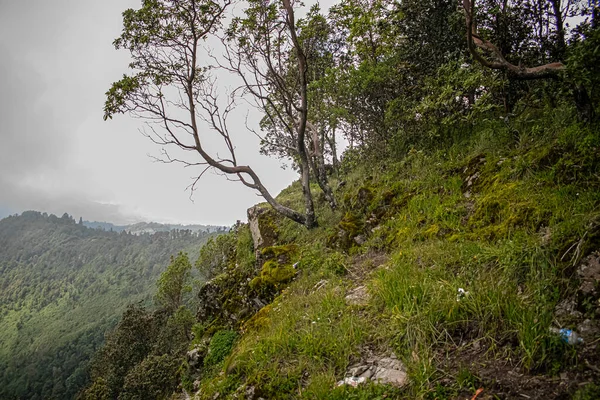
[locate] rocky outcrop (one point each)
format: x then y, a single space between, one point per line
262 226
210 304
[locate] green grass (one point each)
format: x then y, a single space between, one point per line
530 215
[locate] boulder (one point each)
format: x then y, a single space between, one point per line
262 227
384 370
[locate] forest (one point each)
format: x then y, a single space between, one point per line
63 286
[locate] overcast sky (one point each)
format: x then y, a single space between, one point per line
57 154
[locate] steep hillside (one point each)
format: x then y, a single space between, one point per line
63 285
450 267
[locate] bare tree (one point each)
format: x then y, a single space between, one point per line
264 49
174 94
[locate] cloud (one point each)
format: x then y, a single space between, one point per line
56 153
31 138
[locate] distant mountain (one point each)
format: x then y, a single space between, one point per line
152 227
63 285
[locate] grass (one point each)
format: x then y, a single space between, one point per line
530 215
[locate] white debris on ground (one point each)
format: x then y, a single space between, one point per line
384 370
462 293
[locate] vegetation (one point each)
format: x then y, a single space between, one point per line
467 203
508 237
63 286
466 208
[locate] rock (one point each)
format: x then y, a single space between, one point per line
358 371
368 374
210 305
250 392
589 273
390 371
195 357
260 222
352 381
360 240
589 330
358 296
567 309
384 370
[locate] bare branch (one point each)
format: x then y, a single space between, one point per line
499 62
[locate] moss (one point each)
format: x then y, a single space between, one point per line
348 228
258 320
504 208
432 231
277 270
588 392
283 251
274 273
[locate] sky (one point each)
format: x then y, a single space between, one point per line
57 154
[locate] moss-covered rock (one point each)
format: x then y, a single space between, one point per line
261 220
276 273
259 320
348 229
277 269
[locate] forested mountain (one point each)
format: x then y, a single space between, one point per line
151 227
62 286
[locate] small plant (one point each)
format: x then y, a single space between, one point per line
220 346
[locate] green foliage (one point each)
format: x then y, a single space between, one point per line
588 392
158 25
220 346
216 255
154 378
173 283
142 357
583 62
63 286
128 345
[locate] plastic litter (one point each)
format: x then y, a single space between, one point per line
567 335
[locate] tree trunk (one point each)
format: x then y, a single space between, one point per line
333 147
560 30
311 221
319 168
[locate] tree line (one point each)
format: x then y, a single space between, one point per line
386 76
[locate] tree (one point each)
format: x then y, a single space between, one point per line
173 283
125 347
265 49
285 86
175 94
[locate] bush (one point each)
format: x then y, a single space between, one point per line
220 346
